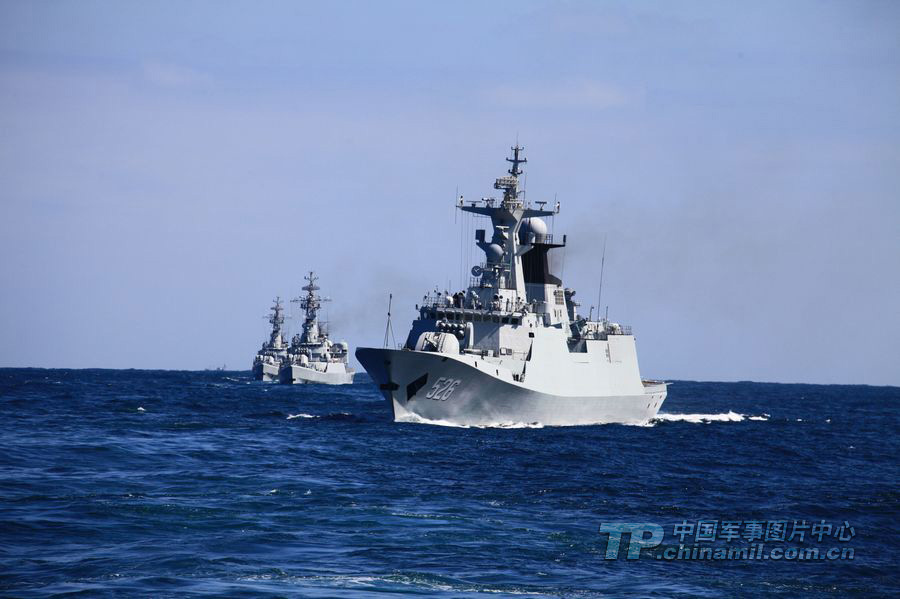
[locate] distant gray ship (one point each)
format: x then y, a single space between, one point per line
268 360
312 356
512 347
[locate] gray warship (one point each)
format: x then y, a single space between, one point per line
512 348
268 359
312 356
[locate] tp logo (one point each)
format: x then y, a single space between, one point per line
638 541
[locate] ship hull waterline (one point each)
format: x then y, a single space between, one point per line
297 375
406 377
267 373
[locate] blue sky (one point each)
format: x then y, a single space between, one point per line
167 168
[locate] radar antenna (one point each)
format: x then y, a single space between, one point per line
312 278
311 302
515 171
510 184
276 319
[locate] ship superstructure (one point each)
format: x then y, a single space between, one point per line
512 348
268 359
312 357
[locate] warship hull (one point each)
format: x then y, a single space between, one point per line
295 375
267 373
443 389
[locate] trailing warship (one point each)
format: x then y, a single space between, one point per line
273 352
512 348
312 356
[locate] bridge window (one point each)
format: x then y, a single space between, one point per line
560 297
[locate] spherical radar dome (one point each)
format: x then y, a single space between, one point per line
493 253
531 225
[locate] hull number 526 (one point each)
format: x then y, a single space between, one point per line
443 388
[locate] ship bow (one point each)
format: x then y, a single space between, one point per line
377 363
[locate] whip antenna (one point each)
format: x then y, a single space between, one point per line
388 328
602 264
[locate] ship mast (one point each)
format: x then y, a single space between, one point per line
503 264
510 185
515 171
311 303
276 319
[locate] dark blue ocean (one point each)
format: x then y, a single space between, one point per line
169 484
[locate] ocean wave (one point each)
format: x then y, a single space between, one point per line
729 416
331 416
513 425
761 418
219 483
400 581
411 418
